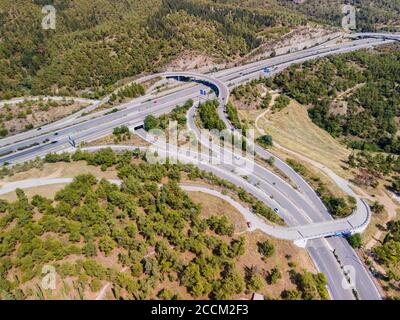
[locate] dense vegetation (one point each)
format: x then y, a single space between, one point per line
372 15
97 43
233 116
281 102
31 113
338 206
355 96
265 140
372 167
89 218
131 91
209 116
121 133
178 114
388 254
150 228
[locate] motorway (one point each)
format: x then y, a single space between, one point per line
298 208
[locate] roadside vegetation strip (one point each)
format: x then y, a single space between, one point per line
337 206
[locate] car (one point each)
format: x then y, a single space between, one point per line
56 134
53 142
276 210
38 129
248 224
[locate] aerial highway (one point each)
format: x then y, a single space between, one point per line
233 77
299 208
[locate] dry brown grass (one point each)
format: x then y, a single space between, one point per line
293 129
215 206
62 170
134 140
44 191
283 249
212 206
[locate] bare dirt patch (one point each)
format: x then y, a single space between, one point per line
44 191
35 113
192 60
134 140
62 170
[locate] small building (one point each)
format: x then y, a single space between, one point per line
257 296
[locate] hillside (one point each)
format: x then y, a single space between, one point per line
147 239
353 96
372 15
97 43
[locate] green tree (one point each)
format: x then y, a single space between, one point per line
266 248
355 240
89 249
106 245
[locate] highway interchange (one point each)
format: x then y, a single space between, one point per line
300 208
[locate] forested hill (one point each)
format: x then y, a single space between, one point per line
372 15
354 96
99 42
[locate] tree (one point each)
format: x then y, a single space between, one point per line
193 281
95 285
274 275
89 249
377 207
221 225
281 102
396 184
106 245
291 295
209 116
255 282
355 240
266 248
165 294
388 253
150 122
265 140
271 160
